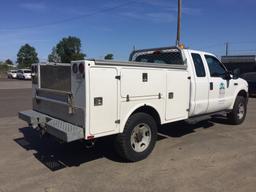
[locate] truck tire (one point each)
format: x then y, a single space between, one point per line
238 114
138 139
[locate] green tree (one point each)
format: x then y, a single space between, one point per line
54 57
69 49
3 69
9 62
26 56
109 56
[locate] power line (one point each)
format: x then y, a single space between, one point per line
72 18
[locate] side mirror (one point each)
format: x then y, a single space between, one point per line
228 75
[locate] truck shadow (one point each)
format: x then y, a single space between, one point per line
181 128
56 156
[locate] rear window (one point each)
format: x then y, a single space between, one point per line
162 57
199 65
27 71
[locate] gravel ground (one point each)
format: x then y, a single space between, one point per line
210 156
15 84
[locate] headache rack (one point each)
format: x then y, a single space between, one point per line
55 76
165 55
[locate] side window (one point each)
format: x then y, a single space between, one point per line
215 67
199 65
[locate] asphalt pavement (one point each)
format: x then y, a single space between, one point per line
211 156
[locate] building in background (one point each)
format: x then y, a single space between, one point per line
245 66
243 63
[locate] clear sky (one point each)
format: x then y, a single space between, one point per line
115 26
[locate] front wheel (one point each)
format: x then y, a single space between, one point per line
138 139
238 114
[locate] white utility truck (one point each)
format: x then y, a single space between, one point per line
94 98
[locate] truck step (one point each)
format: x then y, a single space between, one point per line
33 118
195 120
65 131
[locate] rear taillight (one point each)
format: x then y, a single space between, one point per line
81 68
74 68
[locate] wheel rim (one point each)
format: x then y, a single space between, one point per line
141 137
241 111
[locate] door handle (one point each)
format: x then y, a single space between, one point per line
170 95
211 86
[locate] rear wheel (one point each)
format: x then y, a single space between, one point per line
138 139
238 114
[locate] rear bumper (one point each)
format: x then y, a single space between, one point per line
62 130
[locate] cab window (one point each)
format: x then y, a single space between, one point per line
199 65
215 67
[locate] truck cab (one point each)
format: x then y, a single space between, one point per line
89 99
215 88
212 87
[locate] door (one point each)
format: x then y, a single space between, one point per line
217 85
103 100
177 99
201 85
142 82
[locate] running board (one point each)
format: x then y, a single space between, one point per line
197 119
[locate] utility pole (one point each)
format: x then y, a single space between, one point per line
227 48
179 23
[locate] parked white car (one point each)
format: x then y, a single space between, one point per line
90 99
12 74
24 74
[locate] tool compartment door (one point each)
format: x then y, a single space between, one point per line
142 82
103 100
178 93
